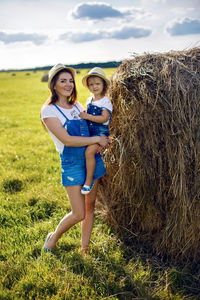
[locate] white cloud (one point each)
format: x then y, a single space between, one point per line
182 11
125 32
95 11
130 32
9 38
102 11
183 27
79 37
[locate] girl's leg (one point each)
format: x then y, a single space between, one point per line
76 215
87 223
90 162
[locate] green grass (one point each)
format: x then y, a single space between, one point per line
32 203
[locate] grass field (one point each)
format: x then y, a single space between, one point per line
32 203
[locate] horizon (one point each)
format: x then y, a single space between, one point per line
83 65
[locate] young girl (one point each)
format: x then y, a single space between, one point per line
98 116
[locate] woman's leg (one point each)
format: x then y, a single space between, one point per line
76 215
87 223
90 162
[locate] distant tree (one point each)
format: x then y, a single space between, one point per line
90 65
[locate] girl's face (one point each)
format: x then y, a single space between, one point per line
95 85
64 85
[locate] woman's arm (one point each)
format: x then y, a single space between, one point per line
55 126
104 117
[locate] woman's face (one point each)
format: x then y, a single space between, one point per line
64 85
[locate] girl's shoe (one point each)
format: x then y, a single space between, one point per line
86 189
44 248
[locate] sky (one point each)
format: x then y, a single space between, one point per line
37 33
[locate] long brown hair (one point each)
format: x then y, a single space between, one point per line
54 97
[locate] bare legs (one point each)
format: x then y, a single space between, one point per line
90 162
76 215
81 211
88 222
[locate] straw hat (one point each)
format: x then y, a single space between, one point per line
95 72
55 69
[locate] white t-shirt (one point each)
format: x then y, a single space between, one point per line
50 111
103 102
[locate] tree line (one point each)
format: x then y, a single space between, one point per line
90 65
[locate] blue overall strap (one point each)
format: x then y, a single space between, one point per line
77 108
61 112
102 107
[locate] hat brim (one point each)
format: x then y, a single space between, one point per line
84 80
72 70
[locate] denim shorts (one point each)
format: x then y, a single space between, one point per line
98 129
73 171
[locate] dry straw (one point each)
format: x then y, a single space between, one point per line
151 192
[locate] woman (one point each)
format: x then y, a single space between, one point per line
60 115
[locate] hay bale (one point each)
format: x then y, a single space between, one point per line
151 191
45 77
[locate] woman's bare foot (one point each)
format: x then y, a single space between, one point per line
84 251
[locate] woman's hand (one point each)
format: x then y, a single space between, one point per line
101 147
104 141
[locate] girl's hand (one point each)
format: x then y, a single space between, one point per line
83 115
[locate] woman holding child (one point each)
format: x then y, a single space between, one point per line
65 119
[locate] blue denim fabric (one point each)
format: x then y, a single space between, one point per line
96 128
73 162
73 172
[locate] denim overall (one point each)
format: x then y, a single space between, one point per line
97 128
73 163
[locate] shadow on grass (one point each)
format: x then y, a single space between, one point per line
107 276
182 278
